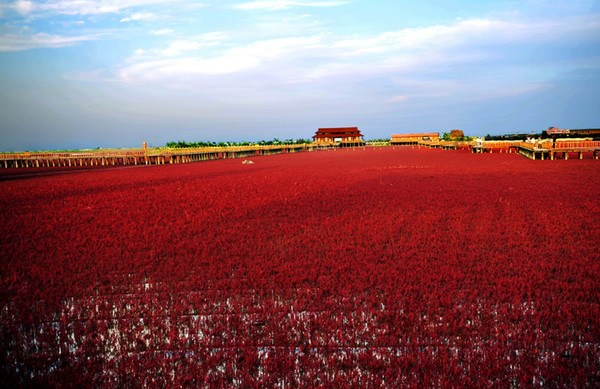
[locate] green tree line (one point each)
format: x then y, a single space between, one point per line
448 137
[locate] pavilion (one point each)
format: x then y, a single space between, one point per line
345 136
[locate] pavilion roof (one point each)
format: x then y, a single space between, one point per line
338 131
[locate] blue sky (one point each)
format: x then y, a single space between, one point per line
115 73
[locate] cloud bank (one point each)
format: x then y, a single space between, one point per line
236 67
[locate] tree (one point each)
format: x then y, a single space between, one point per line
457 134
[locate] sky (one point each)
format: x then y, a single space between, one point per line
116 73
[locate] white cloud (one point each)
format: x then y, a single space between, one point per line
70 23
231 61
398 99
24 7
140 16
213 36
153 66
439 36
159 70
281 48
178 47
276 5
41 40
164 31
326 59
94 7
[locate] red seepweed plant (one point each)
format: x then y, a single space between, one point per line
359 267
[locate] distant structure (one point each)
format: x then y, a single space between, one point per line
413 139
587 132
556 131
345 136
595 132
457 134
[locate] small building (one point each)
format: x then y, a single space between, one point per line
594 132
343 135
412 139
556 131
587 132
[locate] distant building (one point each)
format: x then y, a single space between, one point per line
556 131
410 139
342 135
595 132
587 132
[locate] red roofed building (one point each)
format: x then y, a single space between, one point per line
406 139
556 131
587 132
337 135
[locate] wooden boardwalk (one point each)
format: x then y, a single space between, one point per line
145 157
540 150
495 146
560 149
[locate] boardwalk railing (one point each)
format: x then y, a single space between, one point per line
551 150
156 156
500 146
567 144
533 149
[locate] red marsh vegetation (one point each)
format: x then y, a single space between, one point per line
366 267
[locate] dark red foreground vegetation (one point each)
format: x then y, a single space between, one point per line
347 268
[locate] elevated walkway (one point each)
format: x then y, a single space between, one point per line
145 157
